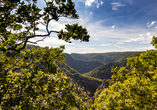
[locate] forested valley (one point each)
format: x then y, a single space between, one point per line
47 78
90 77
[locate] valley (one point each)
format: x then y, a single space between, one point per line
89 72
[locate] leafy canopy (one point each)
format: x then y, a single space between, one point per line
30 78
134 89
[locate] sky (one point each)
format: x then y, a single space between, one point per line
113 26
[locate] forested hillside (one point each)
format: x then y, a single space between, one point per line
133 89
82 66
104 57
104 71
89 83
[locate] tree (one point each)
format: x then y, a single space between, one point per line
30 78
134 89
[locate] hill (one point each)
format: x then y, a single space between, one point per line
88 83
104 71
82 66
104 57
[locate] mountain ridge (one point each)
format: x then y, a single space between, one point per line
104 71
82 66
108 57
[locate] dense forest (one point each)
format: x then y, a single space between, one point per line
45 78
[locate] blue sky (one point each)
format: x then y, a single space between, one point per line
114 26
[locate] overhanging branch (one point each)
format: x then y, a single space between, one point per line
26 40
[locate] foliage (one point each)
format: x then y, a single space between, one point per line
39 86
85 95
105 84
136 89
30 78
89 84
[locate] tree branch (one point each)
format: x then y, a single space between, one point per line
42 23
36 41
26 40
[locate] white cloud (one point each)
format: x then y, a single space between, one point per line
143 38
100 35
124 49
113 26
51 41
101 2
91 2
116 5
148 33
120 42
105 44
90 13
141 35
150 24
40 33
75 49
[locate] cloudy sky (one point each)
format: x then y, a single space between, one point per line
114 26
